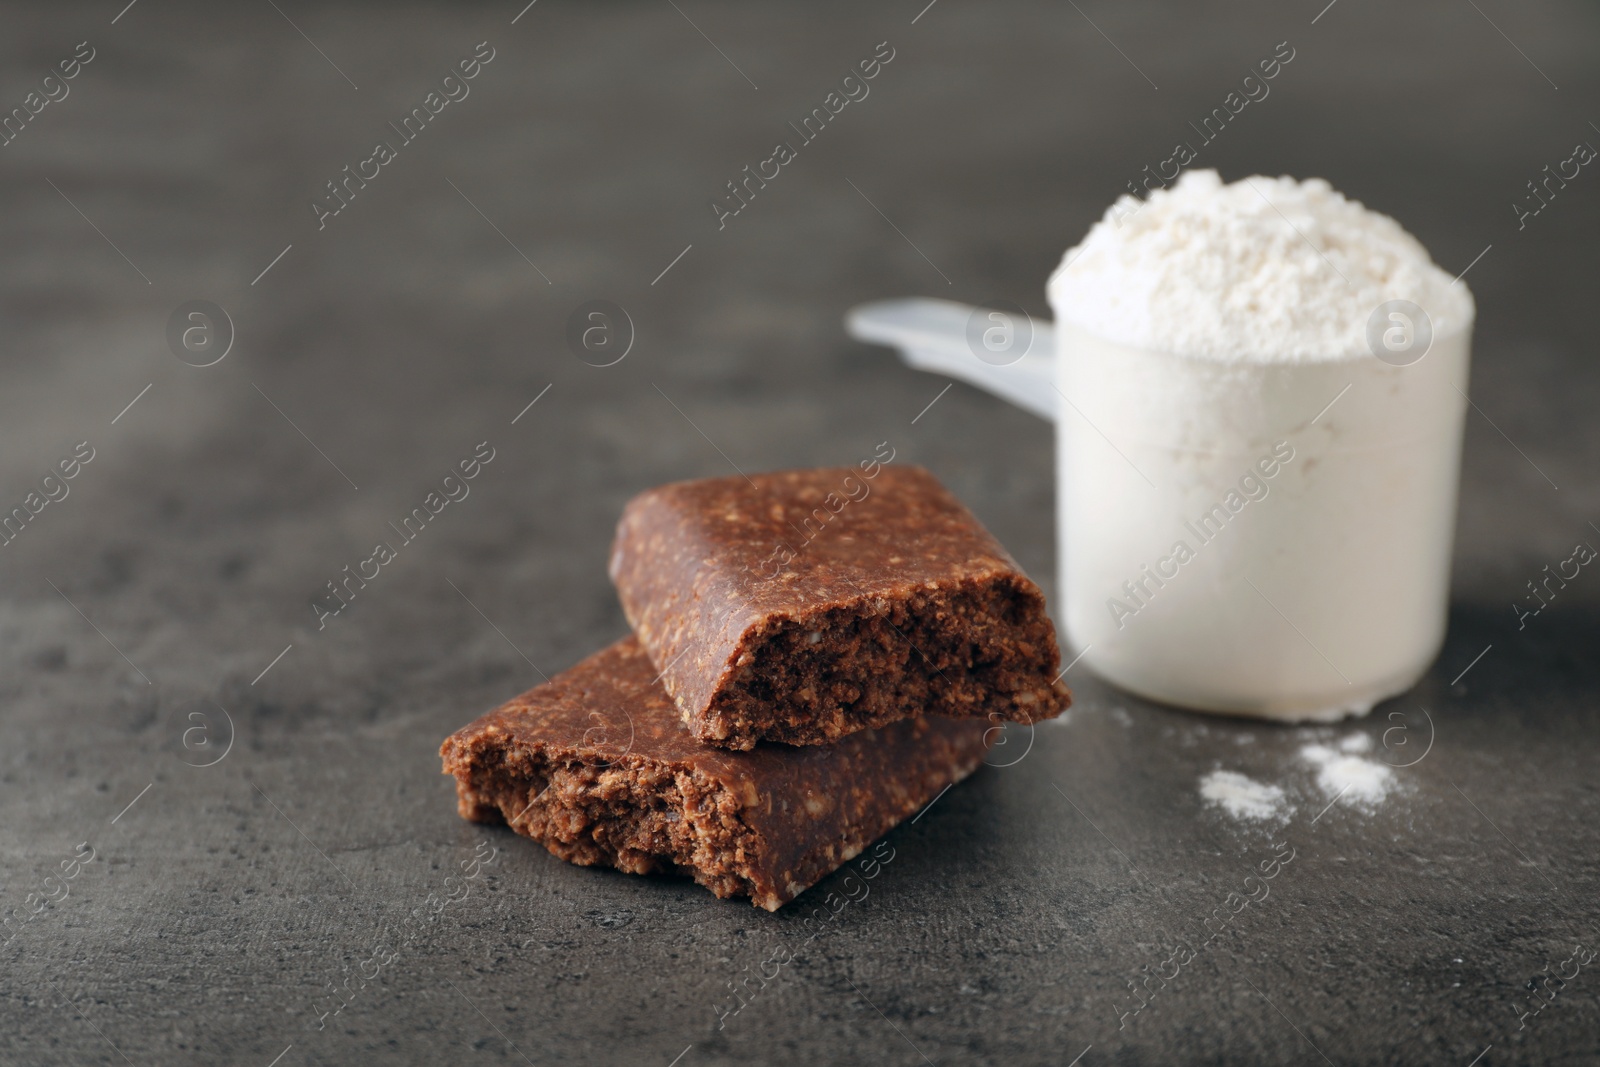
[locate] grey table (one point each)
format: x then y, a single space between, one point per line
223 811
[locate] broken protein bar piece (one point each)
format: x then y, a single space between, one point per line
802 606
596 766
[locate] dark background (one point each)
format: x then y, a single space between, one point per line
229 898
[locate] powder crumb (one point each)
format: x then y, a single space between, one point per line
1356 743
1364 781
1243 798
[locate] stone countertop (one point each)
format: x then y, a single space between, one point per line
224 811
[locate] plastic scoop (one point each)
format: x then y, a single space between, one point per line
1006 353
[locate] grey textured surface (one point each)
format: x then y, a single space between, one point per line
1011 919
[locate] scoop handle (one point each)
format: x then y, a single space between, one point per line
932 335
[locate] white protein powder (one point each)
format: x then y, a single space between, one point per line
1243 797
1363 781
1263 269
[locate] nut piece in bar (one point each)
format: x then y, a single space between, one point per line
802 606
596 765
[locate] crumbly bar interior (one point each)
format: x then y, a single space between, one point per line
969 651
638 817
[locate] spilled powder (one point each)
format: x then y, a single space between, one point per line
1242 797
1341 773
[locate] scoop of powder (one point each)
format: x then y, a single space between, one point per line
1241 797
1261 270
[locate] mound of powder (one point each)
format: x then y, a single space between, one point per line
1260 270
1242 797
1364 781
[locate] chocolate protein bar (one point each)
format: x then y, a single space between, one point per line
802 606
596 765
